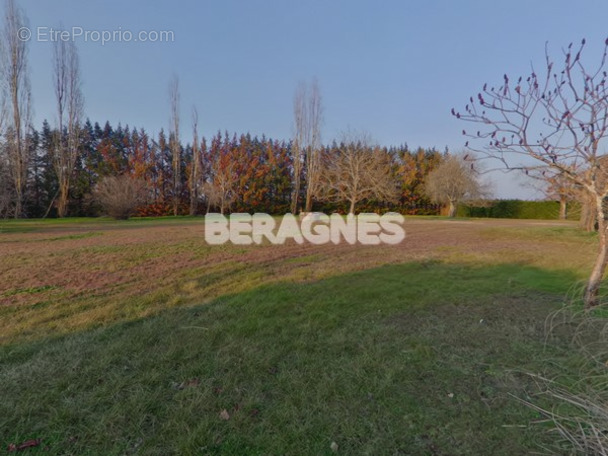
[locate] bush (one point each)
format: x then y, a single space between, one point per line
519 209
119 196
154 210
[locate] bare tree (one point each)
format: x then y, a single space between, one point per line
561 188
357 171
308 116
453 181
16 86
220 190
299 142
70 103
313 164
588 218
555 123
557 187
176 153
195 169
119 196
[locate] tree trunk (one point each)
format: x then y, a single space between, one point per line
295 196
196 161
193 205
591 296
194 184
176 151
18 203
308 206
48 209
62 203
563 207
451 209
19 155
588 213
194 190
352 207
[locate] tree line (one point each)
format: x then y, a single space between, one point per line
225 173
59 170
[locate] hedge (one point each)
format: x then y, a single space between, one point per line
519 209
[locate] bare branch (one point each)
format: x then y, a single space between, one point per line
453 181
70 107
308 117
357 171
195 168
555 124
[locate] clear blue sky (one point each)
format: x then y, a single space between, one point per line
391 68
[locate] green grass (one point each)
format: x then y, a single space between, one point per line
31 290
538 233
116 339
8 226
381 362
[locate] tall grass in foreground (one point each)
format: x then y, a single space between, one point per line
576 402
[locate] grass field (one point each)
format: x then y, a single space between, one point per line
136 337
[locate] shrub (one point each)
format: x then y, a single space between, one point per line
519 209
119 196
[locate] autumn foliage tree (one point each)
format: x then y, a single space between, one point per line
553 122
254 174
413 166
221 184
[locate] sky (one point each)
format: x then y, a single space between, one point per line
392 68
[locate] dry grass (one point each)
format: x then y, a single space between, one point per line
134 337
575 401
64 277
